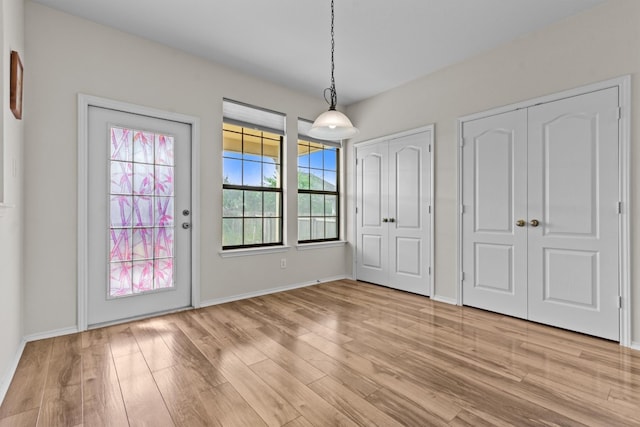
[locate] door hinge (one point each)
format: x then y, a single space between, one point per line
429 209
429 271
356 160
461 209
356 209
619 302
462 276
429 147
619 113
462 142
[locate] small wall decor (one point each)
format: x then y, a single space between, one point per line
15 85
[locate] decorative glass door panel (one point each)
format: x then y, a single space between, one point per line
139 215
141 212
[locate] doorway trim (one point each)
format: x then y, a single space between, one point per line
84 102
431 143
623 84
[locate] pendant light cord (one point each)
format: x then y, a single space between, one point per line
330 94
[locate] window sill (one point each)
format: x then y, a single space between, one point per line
232 253
4 207
320 245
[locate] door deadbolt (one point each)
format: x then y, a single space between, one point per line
186 212
186 225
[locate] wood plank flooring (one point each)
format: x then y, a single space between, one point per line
337 354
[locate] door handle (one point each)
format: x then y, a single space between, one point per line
392 220
534 222
520 223
385 219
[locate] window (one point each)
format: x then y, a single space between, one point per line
252 185
318 188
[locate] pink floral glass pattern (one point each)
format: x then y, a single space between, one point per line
163 277
120 244
163 243
164 211
121 177
142 211
143 179
143 243
121 144
164 150
164 181
141 230
143 147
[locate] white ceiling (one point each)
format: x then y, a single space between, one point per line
380 44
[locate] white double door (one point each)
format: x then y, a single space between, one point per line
541 213
139 197
393 212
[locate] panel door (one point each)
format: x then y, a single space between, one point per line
494 198
409 222
372 206
573 194
139 198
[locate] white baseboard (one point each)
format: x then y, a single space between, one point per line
51 334
260 293
635 345
446 300
6 381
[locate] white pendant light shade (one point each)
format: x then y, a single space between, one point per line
332 125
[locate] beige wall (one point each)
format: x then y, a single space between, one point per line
11 193
69 55
599 44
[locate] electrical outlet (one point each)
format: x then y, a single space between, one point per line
283 263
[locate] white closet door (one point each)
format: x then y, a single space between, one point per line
495 199
393 217
409 183
573 193
372 207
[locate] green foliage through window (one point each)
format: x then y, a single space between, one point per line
318 197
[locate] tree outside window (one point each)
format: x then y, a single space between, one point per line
318 197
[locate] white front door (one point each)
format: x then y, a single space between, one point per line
495 199
139 237
540 217
393 212
573 194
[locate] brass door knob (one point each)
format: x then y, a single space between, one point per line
520 223
534 222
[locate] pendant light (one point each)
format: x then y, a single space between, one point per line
332 124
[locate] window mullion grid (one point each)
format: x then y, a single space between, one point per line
262 189
324 193
244 218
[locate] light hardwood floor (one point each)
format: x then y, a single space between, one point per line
341 353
